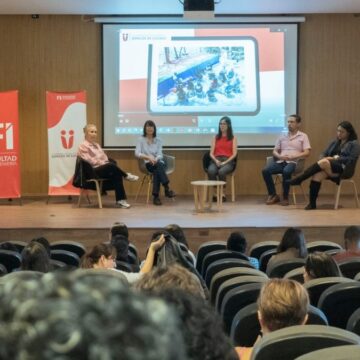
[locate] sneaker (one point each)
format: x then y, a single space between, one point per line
272 199
284 202
157 201
123 204
131 177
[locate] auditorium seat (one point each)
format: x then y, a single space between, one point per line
339 301
236 299
357 277
350 267
18 244
280 268
294 341
67 257
345 352
73 246
227 274
233 283
205 249
296 274
124 266
259 248
3 270
133 249
222 254
56 264
10 259
322 246
353 323
245 327
223 264
316 287
264 259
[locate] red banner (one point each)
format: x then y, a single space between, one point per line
9 145
66 116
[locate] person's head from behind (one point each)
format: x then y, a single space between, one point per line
119 228
282 303
35 257
121 244
346 131
149 129
90 131
319 265
293 238
237 242
225 127
88 318
173 276
177 232
44 242
352 238
101 256
200 326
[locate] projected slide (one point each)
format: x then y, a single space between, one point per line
204 76
186 76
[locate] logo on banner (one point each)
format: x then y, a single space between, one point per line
67 139
125 36
7 135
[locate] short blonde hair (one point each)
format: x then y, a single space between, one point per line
282 303
87 127
173 276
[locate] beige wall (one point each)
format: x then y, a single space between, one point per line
64 53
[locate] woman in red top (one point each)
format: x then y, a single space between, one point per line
223 151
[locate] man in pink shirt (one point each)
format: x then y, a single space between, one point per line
91 151
289 148
352 244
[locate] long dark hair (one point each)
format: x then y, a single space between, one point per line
149 123
229 133
350 130
293 238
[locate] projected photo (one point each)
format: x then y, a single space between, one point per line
205 76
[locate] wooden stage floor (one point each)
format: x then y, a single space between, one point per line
62 219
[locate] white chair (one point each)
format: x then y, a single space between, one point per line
338 191
298 170
148 176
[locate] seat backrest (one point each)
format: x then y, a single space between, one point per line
345 352
67 257
349 169
322 246
280 268
84 172
124 266
73 246
316 287
18 244
294 341
350 267
229 273
296 274
357 277
133 249
10 259
265 257
205 249
234 283
170 163
223 254
3 270
353 323
339 301
316 316
259 248
223 264
245 327
236 299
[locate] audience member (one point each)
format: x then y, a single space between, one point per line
281 303
44 242
200 327
35 257
319 265
171 277
119 228
121 244
63 317
237 242
352 244
292 246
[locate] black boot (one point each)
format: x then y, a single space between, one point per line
168 193
310 171
314 192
